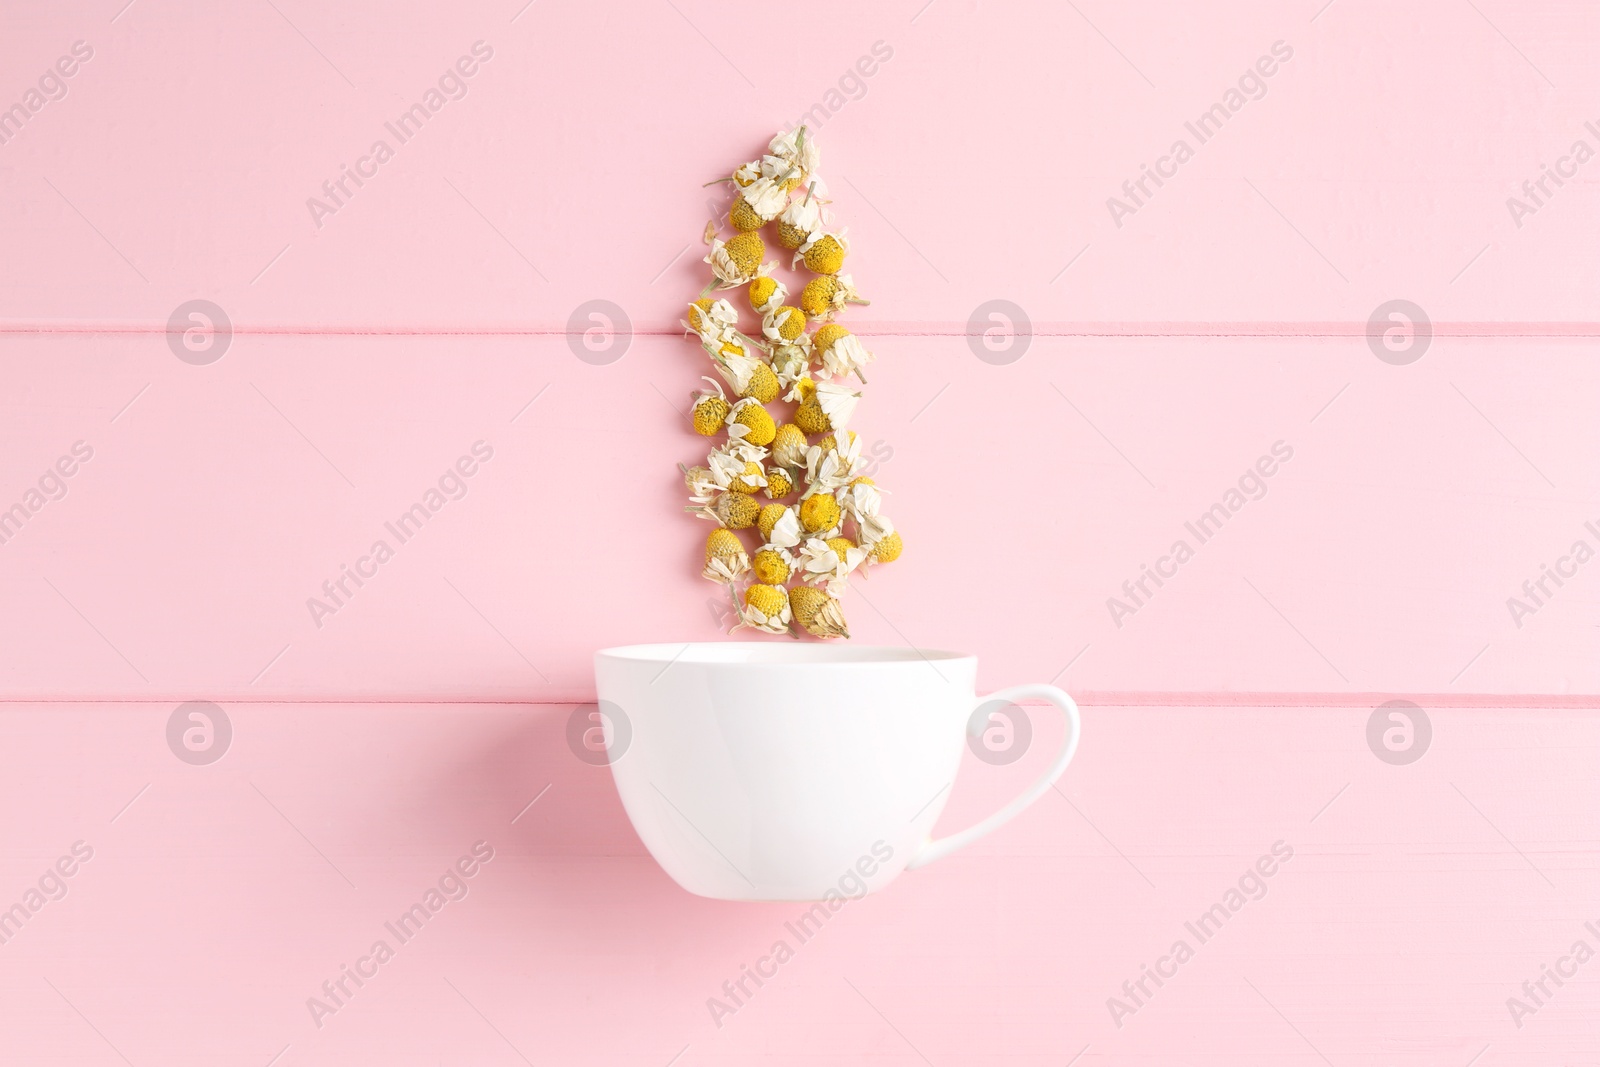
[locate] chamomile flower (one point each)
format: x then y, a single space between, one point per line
871 529
792 364
829 469
822 563
743 217
861 499
767 294
823 252
763 386
767 519
735 453
838 403
748 480
746 174
749 421
710 409
784 325
818 613
744 371
725 556
712 320
819 512
726 465
784 172
789 447
827 293
736 511
785 531
848 551
780 483
832 440
797 146
766 608
771 566
886 549
798 221
809 416
842 351
701 483
737 260
766 197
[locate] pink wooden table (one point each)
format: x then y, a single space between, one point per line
1417 540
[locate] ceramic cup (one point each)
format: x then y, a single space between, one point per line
767 771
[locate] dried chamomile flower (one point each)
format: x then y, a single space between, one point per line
831 468
745 450
710 410
797 146
771 566
799 221
766 197
861 499
736 511
826 294
737 260
701 483
823 252
767 519
763 385
809 416
780 483
842 351
749 421
748 374
785 173
727 463
784 325
748 480
746 174
697 309
802 386
725 557
829 407
766 608
822 562
838 403
731 345
791 363
817 612
819 512
870 529
766 294
826 335
851 443
713 320
742 217
886 549
789 447
785 532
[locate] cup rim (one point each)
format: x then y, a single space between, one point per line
773 654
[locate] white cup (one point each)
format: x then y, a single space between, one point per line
766 771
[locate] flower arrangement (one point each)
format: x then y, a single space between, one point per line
821 522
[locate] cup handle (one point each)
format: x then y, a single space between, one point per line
939 848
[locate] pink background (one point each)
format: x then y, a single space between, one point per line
1167 354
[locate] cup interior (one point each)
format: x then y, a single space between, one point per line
771 652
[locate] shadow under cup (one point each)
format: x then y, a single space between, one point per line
759 771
